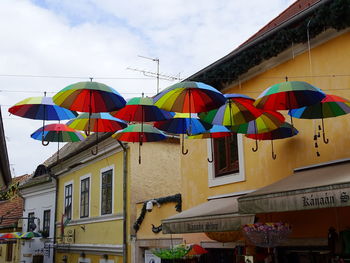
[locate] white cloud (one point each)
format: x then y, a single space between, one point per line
100 38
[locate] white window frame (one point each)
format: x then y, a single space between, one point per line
105 169
229 178
84 260
64 196
82 178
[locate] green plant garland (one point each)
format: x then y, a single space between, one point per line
10 192
162 200
334 14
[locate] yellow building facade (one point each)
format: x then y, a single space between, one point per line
258 192
90 201
91 235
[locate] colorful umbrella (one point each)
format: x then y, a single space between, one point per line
217 131
89 97
189 97
30 235
267 121
239 97
196 250
99 122
13 235
182 124
41 108
289 95
284 131
331 106
237 110
136 133
57 133
142 109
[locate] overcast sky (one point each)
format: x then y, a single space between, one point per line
48 44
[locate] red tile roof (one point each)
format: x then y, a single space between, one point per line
13 207
291 11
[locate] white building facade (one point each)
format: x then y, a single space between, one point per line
39 195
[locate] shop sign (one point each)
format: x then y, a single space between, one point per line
290 201
220 223
325 199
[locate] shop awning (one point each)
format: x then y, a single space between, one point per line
321 187
213 216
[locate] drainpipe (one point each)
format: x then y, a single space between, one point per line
54 229
125 178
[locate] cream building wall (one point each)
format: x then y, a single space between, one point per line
329 71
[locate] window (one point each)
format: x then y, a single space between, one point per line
226 155
9 250
84 197
46 223
106 192
68 194
31 226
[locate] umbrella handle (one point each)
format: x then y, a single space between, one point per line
325 140
212 154
183 146
94 152
87 133
256 146
45 143
274 156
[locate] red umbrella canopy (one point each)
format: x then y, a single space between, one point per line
189 97
90 97
196 250
289 95
142 109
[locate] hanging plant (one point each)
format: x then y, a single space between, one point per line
9 193
266 234
162 200
177 252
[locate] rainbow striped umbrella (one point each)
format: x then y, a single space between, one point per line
217 131
89 96
182 124
30 235
331 106
234 112
97 122
139 133
284 131
41 108
289 95
12 235
57 133
189 97
142 109
266 122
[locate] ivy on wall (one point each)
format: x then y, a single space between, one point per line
10 192
162 200
334 14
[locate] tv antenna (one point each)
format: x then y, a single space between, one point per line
154 74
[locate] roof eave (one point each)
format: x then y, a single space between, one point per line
260 38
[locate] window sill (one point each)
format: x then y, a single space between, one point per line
226 179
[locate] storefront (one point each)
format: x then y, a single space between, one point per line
218 219
315 202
